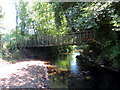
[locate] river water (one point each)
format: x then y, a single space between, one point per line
79 75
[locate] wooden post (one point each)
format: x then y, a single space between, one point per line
37 41
41 40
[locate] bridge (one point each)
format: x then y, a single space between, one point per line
58 40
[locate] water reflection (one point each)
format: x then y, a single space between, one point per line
80 76
74 68
66 62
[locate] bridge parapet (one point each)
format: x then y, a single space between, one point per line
57 40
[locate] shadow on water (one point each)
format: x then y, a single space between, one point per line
79 75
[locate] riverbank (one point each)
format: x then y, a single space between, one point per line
98 67
24 74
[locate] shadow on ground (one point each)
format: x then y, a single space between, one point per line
26 74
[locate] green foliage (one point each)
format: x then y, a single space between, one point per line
1 16
11 56
23 17
115 52
115 55
62 49
111 50
85 15
78 15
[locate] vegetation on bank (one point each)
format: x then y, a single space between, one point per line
35 19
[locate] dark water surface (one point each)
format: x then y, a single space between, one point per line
80 76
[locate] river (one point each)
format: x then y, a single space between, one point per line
78 76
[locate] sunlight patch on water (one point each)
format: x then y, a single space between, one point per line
73 64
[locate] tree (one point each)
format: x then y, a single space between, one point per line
1 17
23 16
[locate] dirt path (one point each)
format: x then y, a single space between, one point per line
25 74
